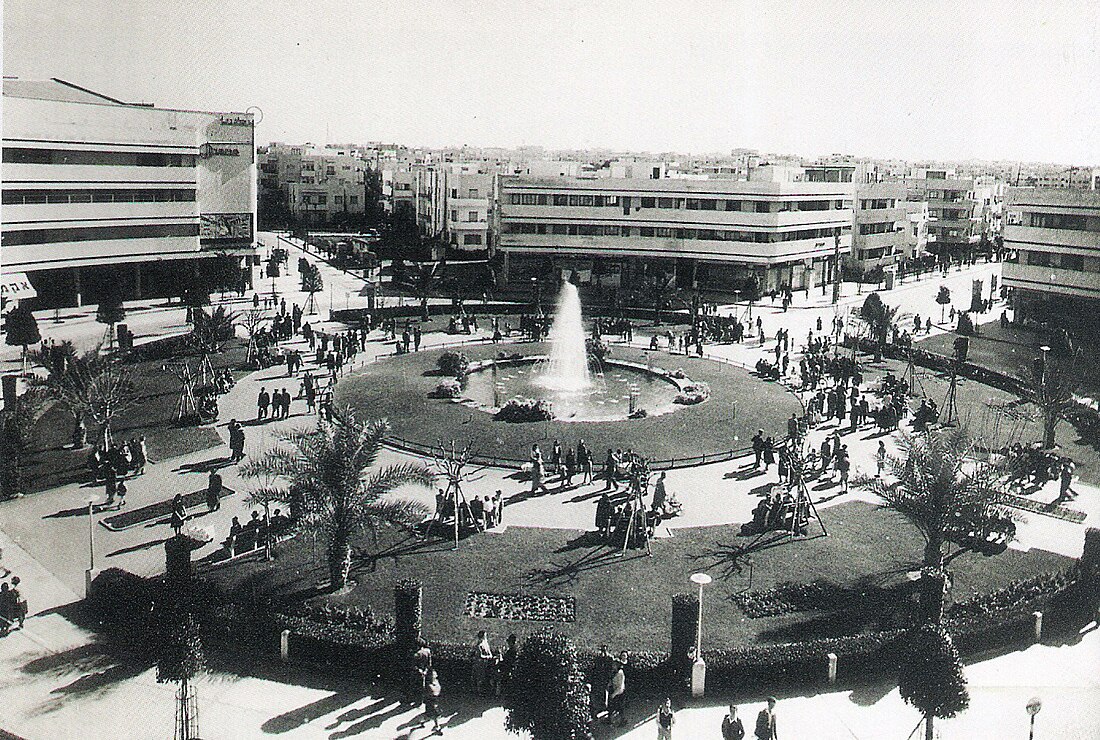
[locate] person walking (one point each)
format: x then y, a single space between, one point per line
843 465
616 695
584 462
765 721
263 400
603 516
666 718
236 441
732 729
432 690
179 513
214 491
482 662
769 453
757 448
880 458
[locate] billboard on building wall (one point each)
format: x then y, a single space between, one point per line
225 227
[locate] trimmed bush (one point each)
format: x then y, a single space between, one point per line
525 410
548 697
449 388
455 364
685 622
408 611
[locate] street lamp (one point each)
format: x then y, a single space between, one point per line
91 500
699 667
1033 706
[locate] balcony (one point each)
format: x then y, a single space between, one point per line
1051 280
673 217
1020 236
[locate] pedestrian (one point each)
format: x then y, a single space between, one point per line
584 460
609 470
765 721
732 729
179 513
214 491
603 516
507 664
616 695
120 494
432 690
482 662
263 400
666 718
138 455
769 453
757 448
880 458
236 441
1066 493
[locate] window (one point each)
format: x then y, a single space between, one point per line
561 200
762 206
471 239
1058 221
561 229
338 200
454 215
582 200
454 194
98 233
733 205
1038 259
645 231
877 228
649 202
330 171
693 204
666 202
353 199
31 197
664 232
473 193
85 157
1073 262
472 216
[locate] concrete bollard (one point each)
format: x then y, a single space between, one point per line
284 646
832 667
1038 617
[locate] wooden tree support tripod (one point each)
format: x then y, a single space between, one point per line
186 406
803 507
451 464
950 401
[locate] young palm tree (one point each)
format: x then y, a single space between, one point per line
660 292
209 333
879 317
948 496
335 491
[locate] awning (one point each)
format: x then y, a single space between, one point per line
16 286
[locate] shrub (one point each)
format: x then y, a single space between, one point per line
454 364
685 621
1013 596
525 410
693 393
548 697
408 612
966 324
122 603
678 373
639 414
449 388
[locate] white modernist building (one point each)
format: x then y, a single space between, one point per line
778 230
100 195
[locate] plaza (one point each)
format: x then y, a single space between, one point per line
564 372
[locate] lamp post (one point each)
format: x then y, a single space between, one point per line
1033 706
699 667
89 574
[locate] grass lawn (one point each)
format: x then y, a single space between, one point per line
625 602
53 462
397 388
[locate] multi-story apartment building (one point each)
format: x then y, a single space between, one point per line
880 227
399 190
1053 239
316 185
454 203
712 234
102 195
954 222
916 242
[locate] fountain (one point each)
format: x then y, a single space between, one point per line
567 370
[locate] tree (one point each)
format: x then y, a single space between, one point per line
1051 383
879 317
930 676
312 283
943 298
425 278
178 642
22 330
660 292
92 385
948 496
110 311
548 696
251 321
17 422
336 494
209 333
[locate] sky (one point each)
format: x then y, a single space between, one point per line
968 79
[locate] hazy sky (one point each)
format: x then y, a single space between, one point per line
904 78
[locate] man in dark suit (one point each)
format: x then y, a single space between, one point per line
765 721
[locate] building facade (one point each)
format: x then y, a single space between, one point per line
710 234
1053 269
880 225
315 185
454 204
954 221
101 195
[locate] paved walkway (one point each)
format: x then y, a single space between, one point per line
53 681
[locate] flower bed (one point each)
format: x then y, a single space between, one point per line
692 393
521 606
521 410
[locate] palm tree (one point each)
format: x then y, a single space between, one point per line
1051 383
209 333
879 317
948 496
660 292
335 492
425 279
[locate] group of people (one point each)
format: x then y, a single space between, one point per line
112 464
564 463
256 531
273 405
1030 465
480 512
13 607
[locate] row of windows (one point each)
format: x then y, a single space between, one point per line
1076 262
80 156
690 204
471 216
473 193
876 204
97 233
36 197
883 227
660 232
1070 221
874 253
471 239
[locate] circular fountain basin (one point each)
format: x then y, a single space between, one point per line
607 398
